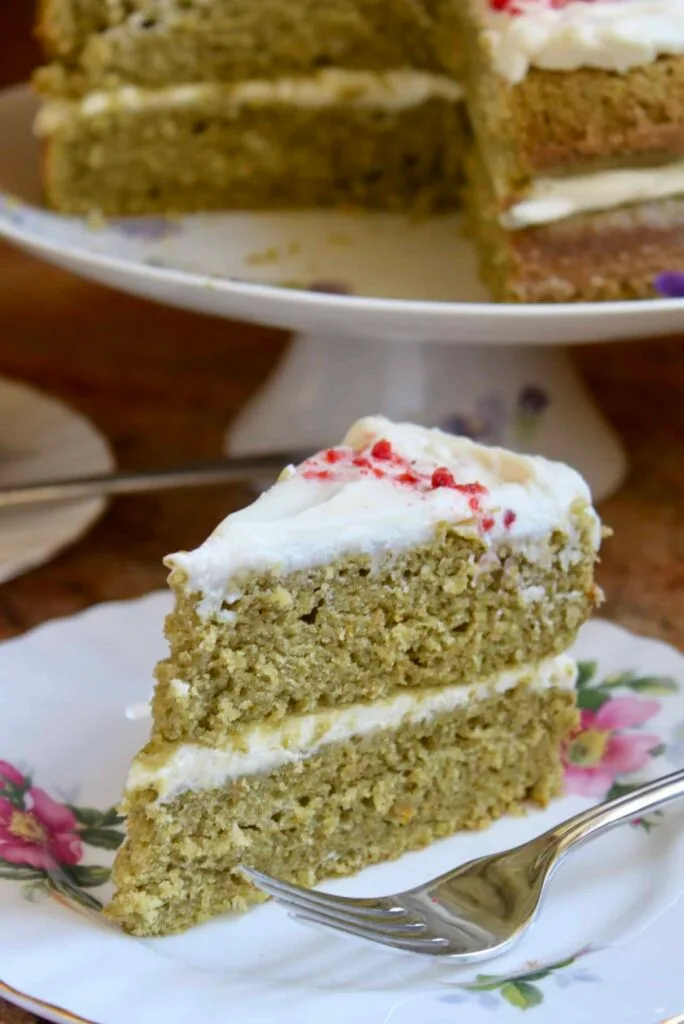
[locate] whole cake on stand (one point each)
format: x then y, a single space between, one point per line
576 179
563 119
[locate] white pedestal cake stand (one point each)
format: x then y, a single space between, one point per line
433 349
526 398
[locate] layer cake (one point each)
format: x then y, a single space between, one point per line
576 174
368 658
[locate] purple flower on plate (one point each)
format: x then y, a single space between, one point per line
670 284
147 229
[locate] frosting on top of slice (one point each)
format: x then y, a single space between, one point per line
563 35
384 489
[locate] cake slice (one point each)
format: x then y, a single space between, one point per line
576 183
368 658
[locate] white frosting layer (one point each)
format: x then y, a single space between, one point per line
552 199
305 521
611 34
263 749
389 90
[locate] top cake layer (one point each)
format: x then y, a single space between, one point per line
384 489
403 559
564 35
153 43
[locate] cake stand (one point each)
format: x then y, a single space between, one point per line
432 349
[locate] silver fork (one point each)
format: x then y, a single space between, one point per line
475 911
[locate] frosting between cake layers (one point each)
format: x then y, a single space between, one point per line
552 199
263 748
612 34
387 90
324 509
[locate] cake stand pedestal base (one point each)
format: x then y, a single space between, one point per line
529 399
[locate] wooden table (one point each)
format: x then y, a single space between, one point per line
163 384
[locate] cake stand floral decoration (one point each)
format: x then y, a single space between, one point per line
670 284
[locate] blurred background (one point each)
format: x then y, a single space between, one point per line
160 386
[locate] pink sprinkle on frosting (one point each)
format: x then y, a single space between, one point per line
382 450
509 517
522 6
380 461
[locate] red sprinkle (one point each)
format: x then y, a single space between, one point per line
509 518
380 461
512 7
443 478
382 450
471 488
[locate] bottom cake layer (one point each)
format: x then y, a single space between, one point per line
600 256
349 804
201 148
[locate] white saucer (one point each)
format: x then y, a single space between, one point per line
41 438
607 946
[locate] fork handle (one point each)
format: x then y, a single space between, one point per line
597 820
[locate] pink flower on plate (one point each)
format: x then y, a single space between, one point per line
8 773
599 749
41 835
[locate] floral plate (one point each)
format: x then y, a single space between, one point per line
607 946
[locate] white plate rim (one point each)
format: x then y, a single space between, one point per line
322 300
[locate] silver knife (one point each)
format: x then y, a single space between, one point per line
199 474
